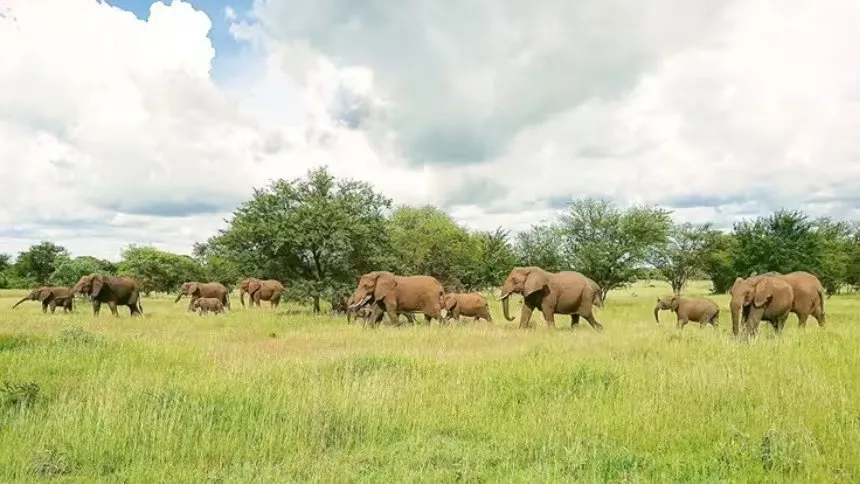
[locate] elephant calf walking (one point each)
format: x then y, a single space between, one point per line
699 309
466 304
51 297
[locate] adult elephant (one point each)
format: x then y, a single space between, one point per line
51 296
197 290
807 295
566 292
393 294
260 289
760 298
113 290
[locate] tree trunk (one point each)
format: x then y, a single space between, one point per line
317 305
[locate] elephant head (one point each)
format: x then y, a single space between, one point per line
372 287
525 281
189 288
448 301
38 294
91 284
249 285
666 302
762 295
742 295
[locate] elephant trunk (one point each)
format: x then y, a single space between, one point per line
19 302
735 310
242 296
505 307
361 302
178 297
657 314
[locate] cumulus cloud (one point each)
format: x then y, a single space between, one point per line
716 109
112 129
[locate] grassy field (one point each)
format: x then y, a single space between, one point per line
254 396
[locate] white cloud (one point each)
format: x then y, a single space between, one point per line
497 110
112 130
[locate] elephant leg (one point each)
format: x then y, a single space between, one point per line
525 316
574 319
593 321
191 304
393 316
97 306
457 315
45 307
132 307
53 306
780 325
801 319
548 316
112 306
376 316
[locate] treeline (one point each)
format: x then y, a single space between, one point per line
318 234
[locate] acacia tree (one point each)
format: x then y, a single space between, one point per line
684 253
540 246
608 244
316 234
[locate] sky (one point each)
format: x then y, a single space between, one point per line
125 121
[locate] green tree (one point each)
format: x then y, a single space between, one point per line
719 261
217 264
317 233
40 261
494 258
5 267
683 255
157 270
836 243
540 246
69 271
426 240
784 241
608 244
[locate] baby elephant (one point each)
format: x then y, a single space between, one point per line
466 304
699 309
207 304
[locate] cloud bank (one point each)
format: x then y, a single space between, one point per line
114 131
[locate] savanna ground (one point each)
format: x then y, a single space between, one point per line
291 397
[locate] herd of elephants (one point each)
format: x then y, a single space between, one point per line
770 297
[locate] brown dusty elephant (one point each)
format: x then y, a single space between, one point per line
51 297
196 290
393 294
114 290
699 309
207 305
260 289
466 304
566 292
760 298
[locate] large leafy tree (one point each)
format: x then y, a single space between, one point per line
316 234
540 246
608 244
683 254
40 261
719 261
784 241
157 270
426 240
494 258
69 271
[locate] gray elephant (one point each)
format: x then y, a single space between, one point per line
566 292
261 290
207 305
699 309
114 290
760 298
51 297
388 293
196 290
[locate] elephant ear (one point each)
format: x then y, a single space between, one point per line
192 288
253 285
674 301
535 281
385 284
738 280
44 294
763 292
98 284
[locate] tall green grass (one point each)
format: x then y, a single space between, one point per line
257 396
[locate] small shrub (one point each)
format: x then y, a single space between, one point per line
20 395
